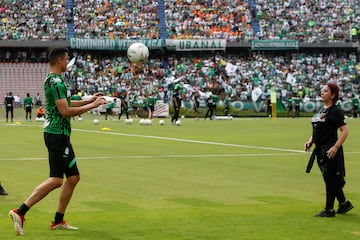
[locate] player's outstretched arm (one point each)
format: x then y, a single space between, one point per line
67 111
79 103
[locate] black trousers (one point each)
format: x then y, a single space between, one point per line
334 180
175 117
11 110
209 112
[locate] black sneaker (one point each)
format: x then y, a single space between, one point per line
2 191
344 208
326 213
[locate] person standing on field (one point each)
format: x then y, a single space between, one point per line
28 104
329 150
124 103
176 103
57 129
9 104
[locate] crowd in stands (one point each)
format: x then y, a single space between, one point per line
309 21
234 75
234 20
226 75
229 19
116 19
32 20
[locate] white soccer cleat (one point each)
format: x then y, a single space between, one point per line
62 225
18 221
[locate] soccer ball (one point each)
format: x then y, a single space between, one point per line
178 123
142 121
80 119
128 121
96 121
147 122
161 122
138 53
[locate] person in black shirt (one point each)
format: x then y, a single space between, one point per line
9 103
176 103
210 105
329 151
196 104
124 104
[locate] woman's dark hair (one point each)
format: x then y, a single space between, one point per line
334 89
55 53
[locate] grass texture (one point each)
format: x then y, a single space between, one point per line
225 179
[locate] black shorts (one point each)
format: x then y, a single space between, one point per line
28 109
62 158
152 108
196 107
109 110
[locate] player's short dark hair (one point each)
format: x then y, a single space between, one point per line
55 53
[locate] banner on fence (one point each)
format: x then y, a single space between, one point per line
274 44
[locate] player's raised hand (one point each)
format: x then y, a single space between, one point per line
96 95
99 101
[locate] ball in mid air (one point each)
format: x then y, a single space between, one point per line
138 53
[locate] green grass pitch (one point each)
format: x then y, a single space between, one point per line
239 179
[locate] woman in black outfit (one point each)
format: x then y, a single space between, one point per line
329 151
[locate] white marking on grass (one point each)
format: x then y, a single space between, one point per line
191 141
163 156
156 156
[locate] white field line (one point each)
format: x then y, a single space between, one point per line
191 141
288 151
154 156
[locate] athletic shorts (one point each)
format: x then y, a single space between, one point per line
28 109
62 159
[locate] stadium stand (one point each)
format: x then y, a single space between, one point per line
237 21
22 78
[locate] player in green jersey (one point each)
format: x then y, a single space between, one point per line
28 104
57 129
152 101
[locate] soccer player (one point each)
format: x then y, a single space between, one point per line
110 109
9 103
196 101
134 106
329 151
124 104
152 101
57 129
28 104
210 105
176 103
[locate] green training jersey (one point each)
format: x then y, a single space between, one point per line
55 89
145 102
111 105
151 101
76 97
355 102
28 102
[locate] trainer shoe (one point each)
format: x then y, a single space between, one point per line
2 191
344 208
18 221
62 225
326 213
